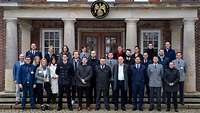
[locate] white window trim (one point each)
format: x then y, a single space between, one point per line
43 30
149 30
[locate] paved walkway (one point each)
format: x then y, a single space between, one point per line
100 111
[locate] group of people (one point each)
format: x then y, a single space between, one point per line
82 75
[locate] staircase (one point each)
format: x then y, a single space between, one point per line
7 101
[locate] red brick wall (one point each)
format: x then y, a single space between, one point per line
197 40
2 50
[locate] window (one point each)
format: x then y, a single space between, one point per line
104 0
57 0
51 37
150 36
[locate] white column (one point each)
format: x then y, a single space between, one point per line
131 33
176 31
189 54
69 33
25 27
11 53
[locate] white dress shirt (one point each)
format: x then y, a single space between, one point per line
121 72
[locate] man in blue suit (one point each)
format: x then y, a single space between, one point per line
146 61
33 52
16 68
137 78
169 52
26 81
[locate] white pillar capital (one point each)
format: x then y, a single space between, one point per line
68 19
132 20
189 20
11 19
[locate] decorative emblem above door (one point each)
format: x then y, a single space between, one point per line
100 9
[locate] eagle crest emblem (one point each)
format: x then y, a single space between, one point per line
100 9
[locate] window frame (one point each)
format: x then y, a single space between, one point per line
42 39
142 38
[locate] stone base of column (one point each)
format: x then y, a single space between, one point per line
9 83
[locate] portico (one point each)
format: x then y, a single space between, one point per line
179 18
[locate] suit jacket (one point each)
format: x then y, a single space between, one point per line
146 64
111 63
151 53
138 75
84 72
65 73
27 74
155 75
171 54
37 53
48 57
133 57
115 75
165 61
39 75
171 76
181 66
103 77
16 68
75 69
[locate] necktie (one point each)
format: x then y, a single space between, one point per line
110 62
75 65
155 66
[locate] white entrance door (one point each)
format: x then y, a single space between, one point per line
150 36
53 38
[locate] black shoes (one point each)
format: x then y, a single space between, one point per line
59 109
176 110
70 108
134 108
168 109
116 108
123 108
151 109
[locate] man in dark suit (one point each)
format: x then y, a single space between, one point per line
151 51
27 81
146 61
103 75
171 82
93 62
169 52
137 78
49 54
16 68
129 61
76 62
120 72
84 75
162 59
33 52
65 72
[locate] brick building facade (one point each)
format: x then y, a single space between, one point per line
37 21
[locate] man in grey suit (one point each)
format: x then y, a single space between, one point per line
155 73
111 62
181 66
120 72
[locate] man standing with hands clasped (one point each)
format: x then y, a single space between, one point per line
84 75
